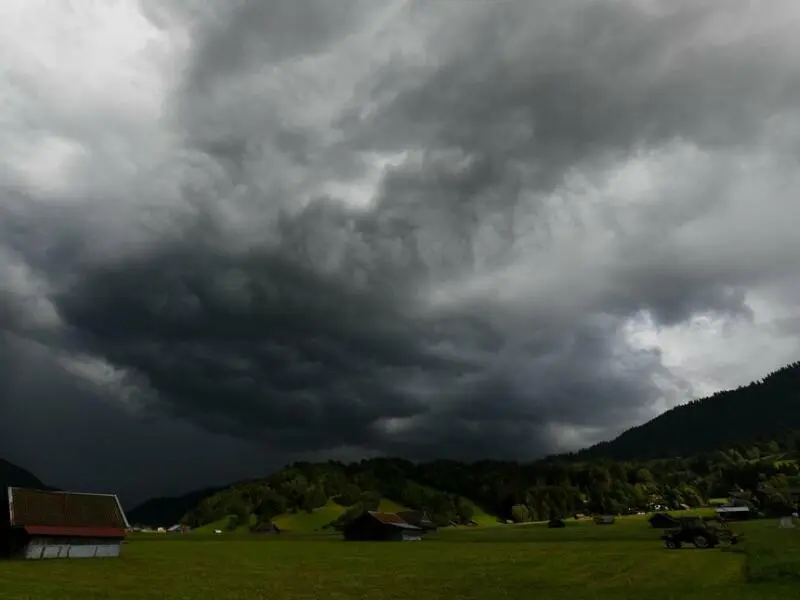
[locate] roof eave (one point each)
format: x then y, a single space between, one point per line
78 532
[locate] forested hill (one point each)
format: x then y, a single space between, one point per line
763 410
167 511
14 476
745 437
327 494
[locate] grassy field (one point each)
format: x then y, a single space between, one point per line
582 561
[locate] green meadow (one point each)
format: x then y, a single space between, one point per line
582 561
316 520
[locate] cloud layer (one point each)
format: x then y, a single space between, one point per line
473 229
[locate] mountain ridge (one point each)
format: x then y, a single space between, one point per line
761 409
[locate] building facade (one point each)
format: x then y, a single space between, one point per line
39 524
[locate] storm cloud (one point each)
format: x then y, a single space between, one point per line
302 228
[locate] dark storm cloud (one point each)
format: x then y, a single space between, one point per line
73 435
420 228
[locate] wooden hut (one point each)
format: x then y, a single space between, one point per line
40 524
376 526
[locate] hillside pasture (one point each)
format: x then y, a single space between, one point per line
583 561
301 521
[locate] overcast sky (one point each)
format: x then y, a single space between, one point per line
235 233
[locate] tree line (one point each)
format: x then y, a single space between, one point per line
763 409
762 474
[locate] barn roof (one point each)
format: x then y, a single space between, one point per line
723 509
66 513
392 519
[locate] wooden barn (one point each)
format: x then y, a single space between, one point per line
38 524
375 526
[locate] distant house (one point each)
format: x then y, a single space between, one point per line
40 524
376 526
733 513
663 521
418 518
605 520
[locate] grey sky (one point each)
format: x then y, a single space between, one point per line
234 234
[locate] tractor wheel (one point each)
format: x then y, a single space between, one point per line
672 544
703 541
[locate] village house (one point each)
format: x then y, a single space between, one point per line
38 524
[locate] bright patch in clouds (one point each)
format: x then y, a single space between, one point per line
718 352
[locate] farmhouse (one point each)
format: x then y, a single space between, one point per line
375 526
37 524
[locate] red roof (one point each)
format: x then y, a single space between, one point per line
388 518
65 510
94 532
392 519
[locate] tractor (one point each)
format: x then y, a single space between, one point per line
700 532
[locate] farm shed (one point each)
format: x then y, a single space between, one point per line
37 524
418 518
734 513
663 521
375 526
604 519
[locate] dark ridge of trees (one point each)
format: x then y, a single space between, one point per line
760 411
452 492
167 511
